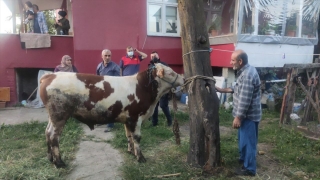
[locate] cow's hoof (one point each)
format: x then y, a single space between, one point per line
60 164
131 151
141 159
49 156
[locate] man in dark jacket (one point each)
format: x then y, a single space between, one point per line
164 100
62 25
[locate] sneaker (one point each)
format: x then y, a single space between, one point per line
108 129
244 172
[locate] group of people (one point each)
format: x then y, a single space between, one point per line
36 21
246 97
129 65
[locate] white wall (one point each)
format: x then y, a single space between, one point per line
271 55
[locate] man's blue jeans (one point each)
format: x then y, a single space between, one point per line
247 142
164 101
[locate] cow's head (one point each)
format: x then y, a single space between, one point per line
167 77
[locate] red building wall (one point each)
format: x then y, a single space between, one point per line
13 56
220 56
114 25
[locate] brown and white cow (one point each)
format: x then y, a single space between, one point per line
94 99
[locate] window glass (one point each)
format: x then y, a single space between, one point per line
247 26
6 24
219 16
171 19
171 1
163 18
279 18
155 18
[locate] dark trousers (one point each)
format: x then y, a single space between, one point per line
164 101
247 142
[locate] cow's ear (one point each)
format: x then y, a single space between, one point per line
160 72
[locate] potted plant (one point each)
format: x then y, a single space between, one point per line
213 30
269 29
247 29
215 27
291 30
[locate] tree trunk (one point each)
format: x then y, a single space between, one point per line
203 101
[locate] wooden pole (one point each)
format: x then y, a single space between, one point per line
284 99
291 95
307 112
203 103
315 106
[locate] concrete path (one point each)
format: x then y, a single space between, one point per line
21 115
95 160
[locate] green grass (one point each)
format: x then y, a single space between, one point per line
225 117
162 157
23 151
290 148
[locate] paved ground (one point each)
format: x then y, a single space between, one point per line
95 160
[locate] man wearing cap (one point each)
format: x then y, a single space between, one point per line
62 25
130 64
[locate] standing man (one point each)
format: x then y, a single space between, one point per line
164 100
62 25
108 68
40 23
246 110
130 64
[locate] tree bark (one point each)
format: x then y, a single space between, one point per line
203 101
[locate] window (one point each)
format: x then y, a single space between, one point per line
219 16
163 18
279 18
6 18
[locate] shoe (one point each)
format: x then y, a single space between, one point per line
108 129
169 124
240 161
244 172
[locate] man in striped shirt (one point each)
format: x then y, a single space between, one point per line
246 110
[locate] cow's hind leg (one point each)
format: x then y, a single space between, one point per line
129 139
48 134
136 140
57 128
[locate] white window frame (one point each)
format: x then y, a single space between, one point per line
163 5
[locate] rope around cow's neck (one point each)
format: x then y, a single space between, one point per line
191 81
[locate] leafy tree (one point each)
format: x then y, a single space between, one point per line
49 14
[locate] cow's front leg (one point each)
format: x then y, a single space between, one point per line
129 139
137 150
136 140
